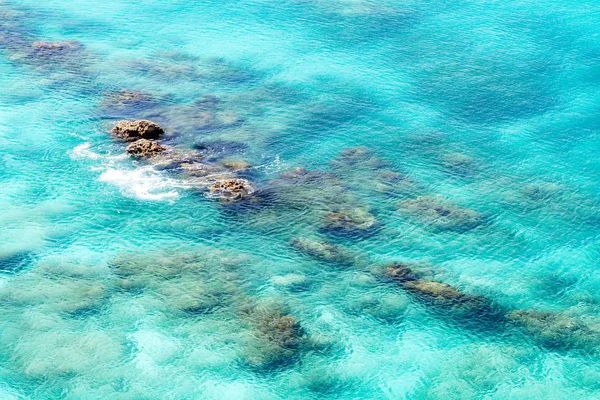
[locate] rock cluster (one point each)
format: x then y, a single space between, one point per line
133 130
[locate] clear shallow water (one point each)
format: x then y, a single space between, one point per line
120 280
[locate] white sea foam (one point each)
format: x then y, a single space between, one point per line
83 151
143 183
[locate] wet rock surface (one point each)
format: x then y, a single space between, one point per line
134 130
145 148
232 190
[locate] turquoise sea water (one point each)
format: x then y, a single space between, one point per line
465 134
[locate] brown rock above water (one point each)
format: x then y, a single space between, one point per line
145 148
142 129
232 190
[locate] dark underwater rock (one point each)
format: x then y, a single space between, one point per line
443 296
208 102
441 213
127 101
401 273
145 148
323 251
356 221
232 190
141 129
556 330
221 147
237 165
458 163
279 339
54 51
177 159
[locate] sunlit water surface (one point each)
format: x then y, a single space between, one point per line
122 280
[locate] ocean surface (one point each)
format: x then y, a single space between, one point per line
423 218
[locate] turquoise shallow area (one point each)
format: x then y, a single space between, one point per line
121 280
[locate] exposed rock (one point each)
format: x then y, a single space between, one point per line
145 148
232 190
142 129
323 251
441 213
352 221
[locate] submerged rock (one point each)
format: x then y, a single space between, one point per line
221 147
556 330
145 148
401 273
442 295
279 339
355 221
441 213
237 165
141 129
353 155
458 162
54 51
232 190
128 100
323 251
177 159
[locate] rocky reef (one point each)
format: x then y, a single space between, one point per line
441 214
324 251
467 307
557 330
353 221
278 341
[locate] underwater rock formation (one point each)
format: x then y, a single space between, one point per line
458 163
279 339
442 295
232 190
126 103
556 330
323 251
141 129
355 221
238 165
44 49
144 148
441 214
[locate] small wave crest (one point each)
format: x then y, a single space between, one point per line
83 151
144 183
